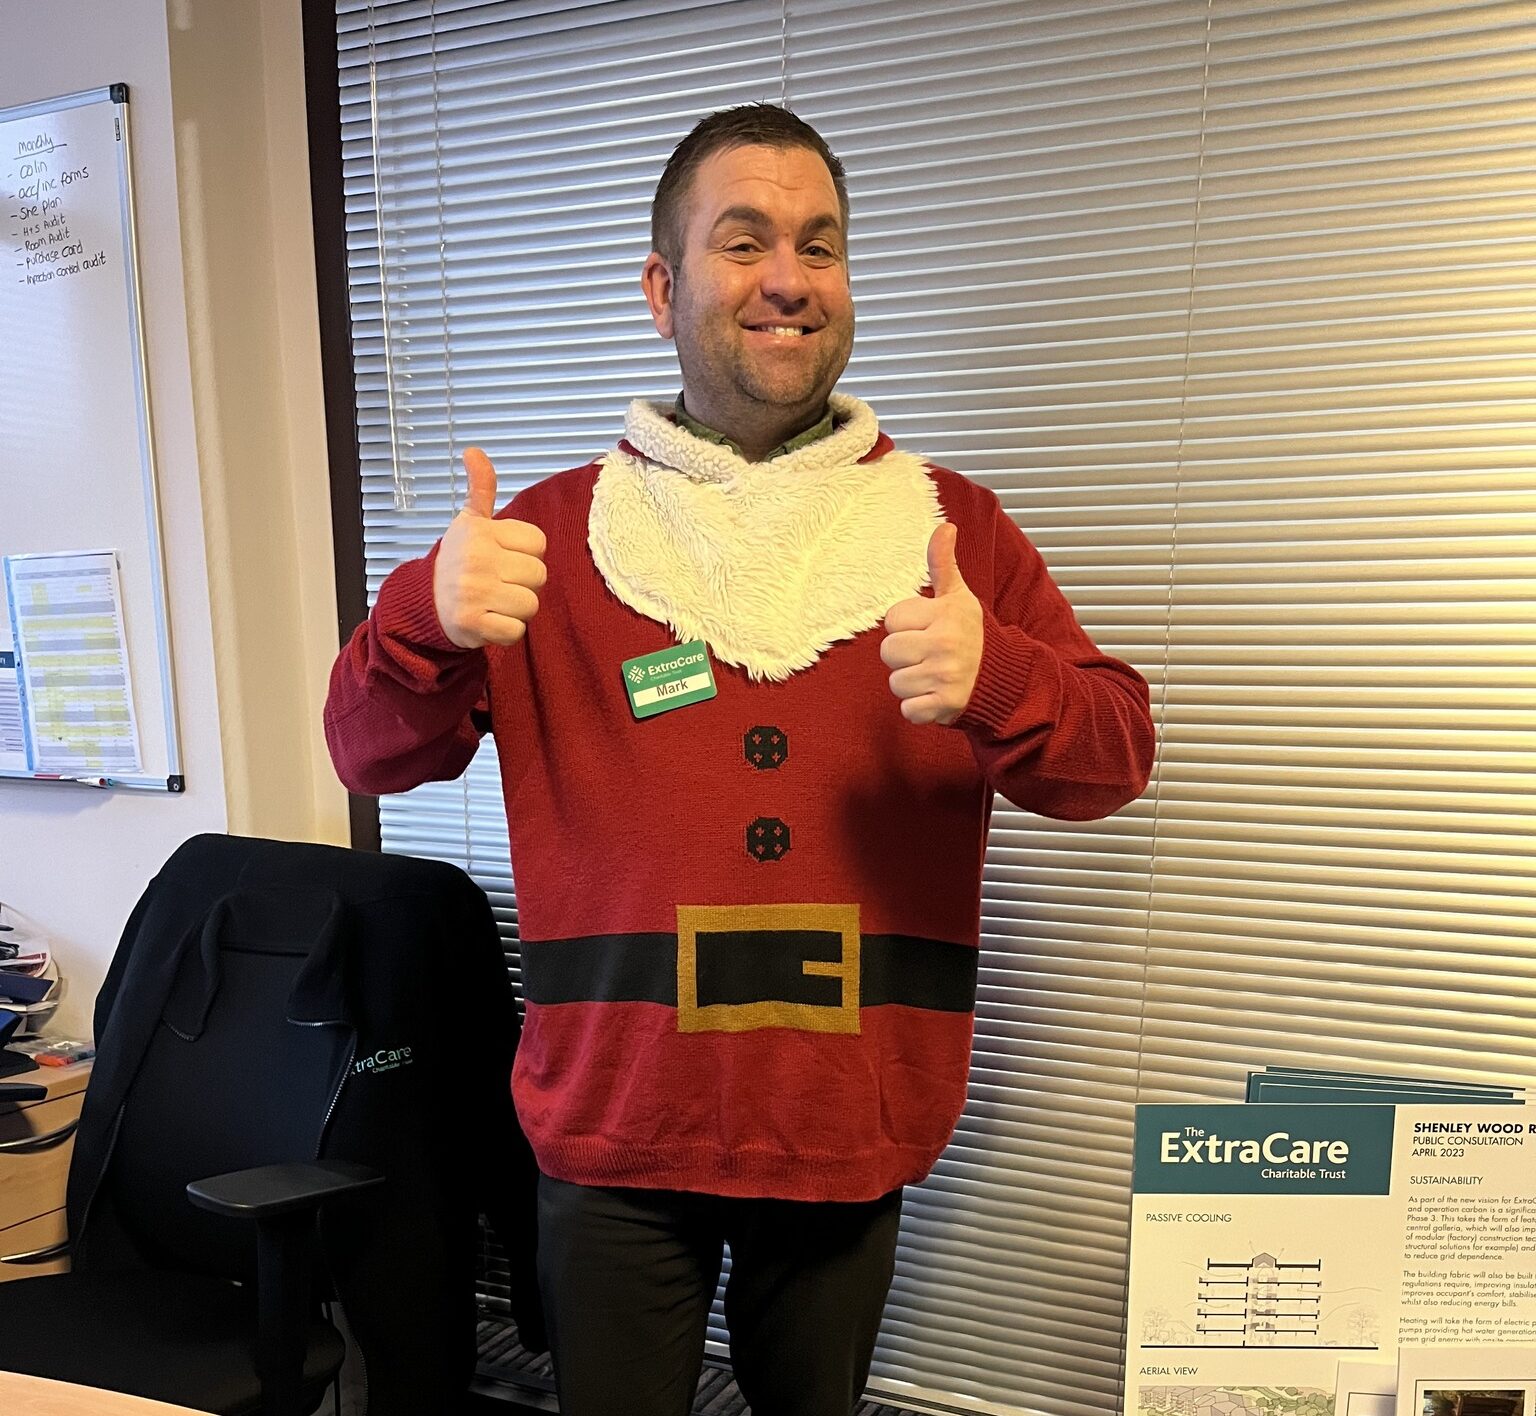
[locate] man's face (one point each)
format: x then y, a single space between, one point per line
758 304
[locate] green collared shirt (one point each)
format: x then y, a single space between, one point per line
814 433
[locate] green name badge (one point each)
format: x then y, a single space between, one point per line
672 678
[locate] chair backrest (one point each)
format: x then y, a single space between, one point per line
228 1080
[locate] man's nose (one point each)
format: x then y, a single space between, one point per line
783 277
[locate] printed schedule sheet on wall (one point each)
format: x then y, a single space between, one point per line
76 709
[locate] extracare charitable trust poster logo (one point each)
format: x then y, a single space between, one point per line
1263 1149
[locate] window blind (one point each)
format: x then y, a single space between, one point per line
1229 302
1346 797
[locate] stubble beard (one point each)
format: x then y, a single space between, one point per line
795 387
720 367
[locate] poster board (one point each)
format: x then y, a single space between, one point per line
1318 1260
86 687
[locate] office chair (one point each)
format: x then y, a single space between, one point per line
288 1031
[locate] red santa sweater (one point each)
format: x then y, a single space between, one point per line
749 925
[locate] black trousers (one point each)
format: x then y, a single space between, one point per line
628 1276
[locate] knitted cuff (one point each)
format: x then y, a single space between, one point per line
406 612
1008 657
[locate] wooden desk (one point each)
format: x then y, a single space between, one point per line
36 1141
36 1396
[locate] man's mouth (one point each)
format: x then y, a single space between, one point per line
784 331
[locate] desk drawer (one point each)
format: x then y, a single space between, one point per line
32 1177
40 1233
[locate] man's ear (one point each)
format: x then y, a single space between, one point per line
656 281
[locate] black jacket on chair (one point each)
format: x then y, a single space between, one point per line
389 1042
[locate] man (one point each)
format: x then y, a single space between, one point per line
748 767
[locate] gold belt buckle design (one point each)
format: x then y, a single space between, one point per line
842 920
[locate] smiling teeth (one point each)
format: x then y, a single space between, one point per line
783 329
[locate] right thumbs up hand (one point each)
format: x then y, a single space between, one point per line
488 572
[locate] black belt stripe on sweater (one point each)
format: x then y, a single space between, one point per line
742 966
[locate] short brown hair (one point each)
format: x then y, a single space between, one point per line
750 125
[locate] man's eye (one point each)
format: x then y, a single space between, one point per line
821 253
742 246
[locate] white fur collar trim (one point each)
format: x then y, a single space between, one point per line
770 563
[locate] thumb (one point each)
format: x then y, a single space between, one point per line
481 498
943 573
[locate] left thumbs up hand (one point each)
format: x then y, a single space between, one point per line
934 646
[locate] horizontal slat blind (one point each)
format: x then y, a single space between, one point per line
1347 800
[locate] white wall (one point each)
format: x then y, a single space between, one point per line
237 82
221 181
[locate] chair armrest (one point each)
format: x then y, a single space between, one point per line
282 1199
270 1190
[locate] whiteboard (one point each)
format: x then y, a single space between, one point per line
77 467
